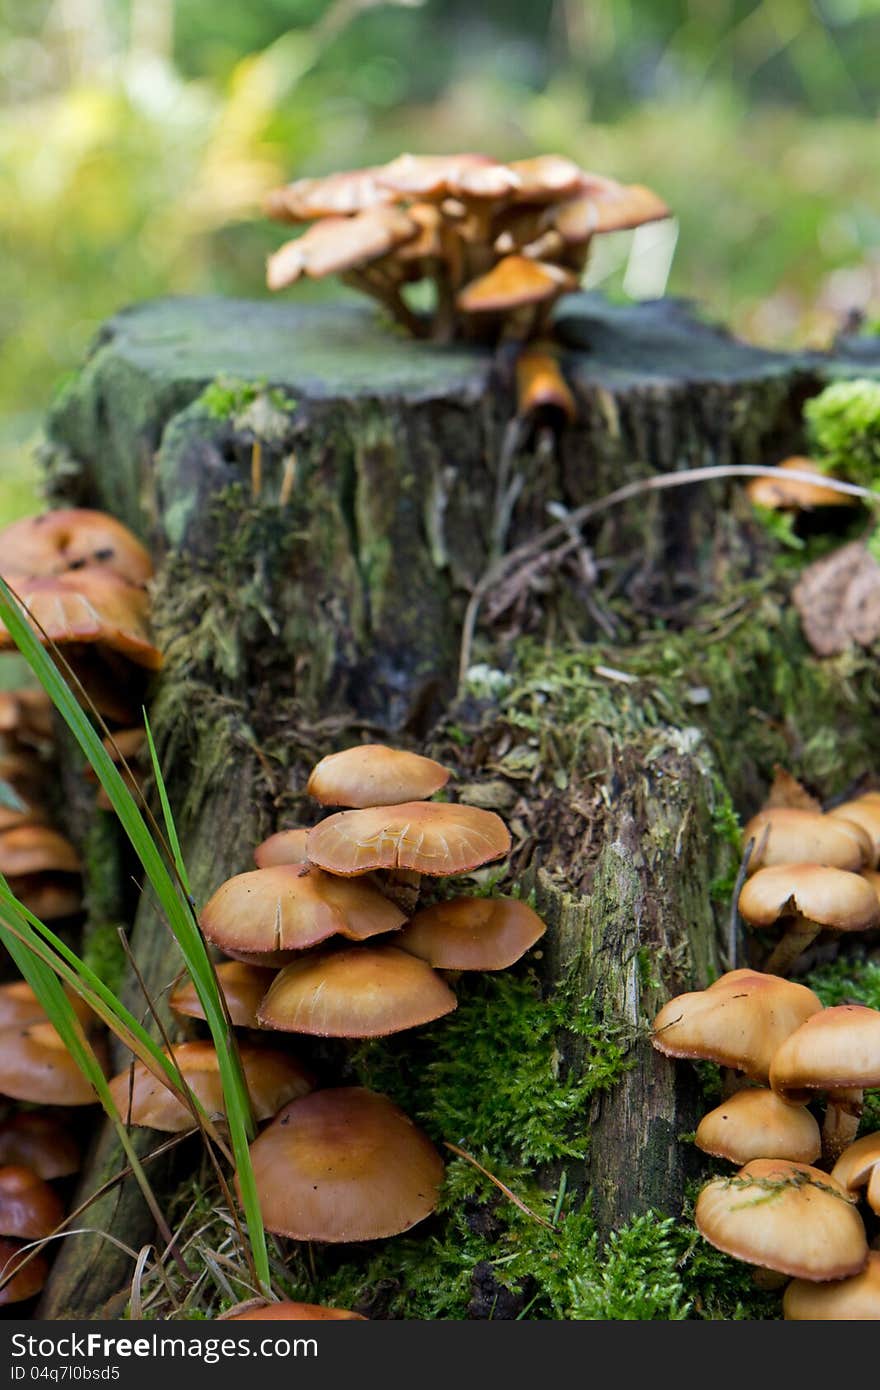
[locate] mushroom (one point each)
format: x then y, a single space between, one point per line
344 1165
70 539
19 1006
806 898
541 389
285 847
836 1051
856 1299
859 1166
519 287
273 1078
34 849
864 811
26 715
259 1311
241 985
48 896
266 914
371 774
22 1273
429 837
472 933
29 1208
784 494
362 992
36 1140
756 1123
739 1021
789 835
784 1216
336 195
36 1066
87 606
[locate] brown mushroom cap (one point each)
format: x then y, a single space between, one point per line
294 1312
544 178
859 1166
20 1007
337 244
540 385
472 933
373 775
335 195
864 811
241 985
35 1139
286 908
34 849
87 606
285 847
805 837
607 206
36 1066
739 1021
20 1280
836 1049
273 1078
784 494
429 837
784 1216
48 896
856 1299
26 714
29 1208
444 175
344 1165
70 539
513 282
363 992
756 1123
829 897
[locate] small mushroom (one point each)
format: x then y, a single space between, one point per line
856 1299
864 811
29 1208
784 1216
371 774
87 606
36 1140
740 1021
362 992
22 1273
541 390
472 933
344 1165
836 1051
273 1078
285 847
859 1166
428 837
789 835
756 1123
272 912
517 283
259 1311
36 1066
784 494
72 538
34 849
241 985
335 195
806 898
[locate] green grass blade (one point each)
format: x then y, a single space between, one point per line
175 905
170 827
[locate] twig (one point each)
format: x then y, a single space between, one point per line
521 557
733 929
511 1196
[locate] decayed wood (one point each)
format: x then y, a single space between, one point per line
326 603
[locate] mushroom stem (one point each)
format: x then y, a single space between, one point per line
443 328
843 1111
769 1279
389 297
800 933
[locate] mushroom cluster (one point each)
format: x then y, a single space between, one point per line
779 1212
498 243
307 935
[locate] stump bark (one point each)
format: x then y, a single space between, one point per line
322 495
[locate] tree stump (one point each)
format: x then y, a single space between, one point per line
322 495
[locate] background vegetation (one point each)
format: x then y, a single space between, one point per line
137 136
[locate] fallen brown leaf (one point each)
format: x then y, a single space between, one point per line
838 599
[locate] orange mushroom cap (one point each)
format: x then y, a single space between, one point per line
370 774
512 282
293 1312
36 1140
363 992
472 933
784 1216
29 1208
285 847
282 909
798 836
48 896
429 837
69 539
89 605
273 1078
856 1299
836 1049
785 494
22 1273
36 1066
447 175
607 206
859 1166
335 195
33 849
739 1021
828 897
340 243
864 811
241 985
344 1165
20 1007
756 1123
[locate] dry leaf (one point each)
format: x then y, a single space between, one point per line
788 791
838 599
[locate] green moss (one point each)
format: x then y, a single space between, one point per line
225 398
103 953
843 422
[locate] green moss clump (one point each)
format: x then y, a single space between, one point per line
844 428
104 954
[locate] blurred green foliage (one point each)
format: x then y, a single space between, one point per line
137 137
